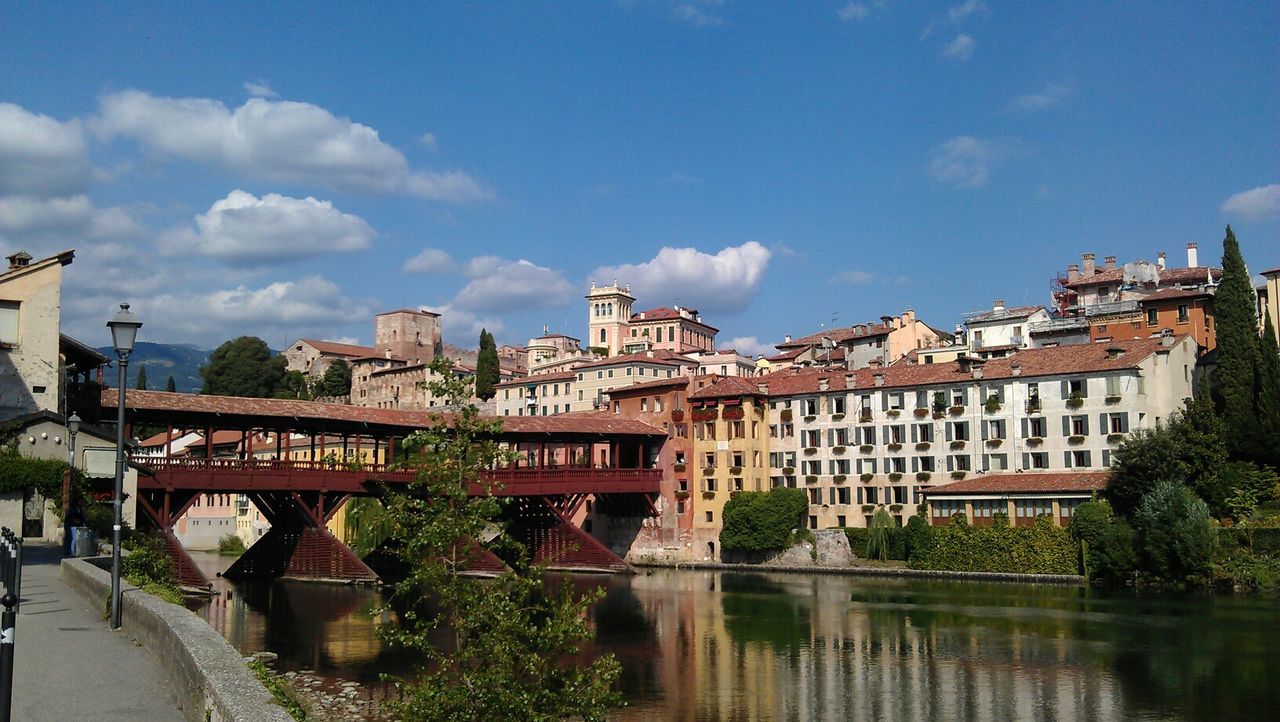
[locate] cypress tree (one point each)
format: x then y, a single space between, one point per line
487 367
1235 382
1269 395
141 384
170 386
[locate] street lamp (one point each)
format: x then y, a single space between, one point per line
124 330
68 488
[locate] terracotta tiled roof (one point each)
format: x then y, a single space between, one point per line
417 311
839 335
1060 482
631 358
1058 360
540 379
1271 272
663 313
339 349
1005 314
675 382
1165 294
314 413
788 355
1168 276
728 386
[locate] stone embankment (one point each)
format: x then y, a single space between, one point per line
331 700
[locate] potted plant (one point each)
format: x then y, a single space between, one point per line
788 470
837 417
1075 439
895 508
734 413
957 409
993 443
1113 399
868 508
1075 400
867 477
785 415
837 450
866 448
992 405
957 445
678 467
1034 441
708 495
677 415
895 446
735 470
839 478
921 413
810 419
939 402
708 413
810 450
811 479
922 446
895 477
709 471
1115 438
938 415
957 475
682 494
923 476
894 413
864 416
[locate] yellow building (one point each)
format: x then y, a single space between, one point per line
730 453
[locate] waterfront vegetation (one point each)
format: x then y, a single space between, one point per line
766 521
149 567
503 648
278 688
231 544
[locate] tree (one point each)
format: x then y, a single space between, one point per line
1269 395
757 521
243 367
170 386
500 649
141 383
1189 449
487 371
1175 537
1235 382
336 380
880 540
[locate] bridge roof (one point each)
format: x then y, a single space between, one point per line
225 412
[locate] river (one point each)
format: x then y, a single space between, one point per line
703 645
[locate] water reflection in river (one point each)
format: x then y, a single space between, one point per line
713 645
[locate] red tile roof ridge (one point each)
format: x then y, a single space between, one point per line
629 358
1167 276
729 386
1026 482
1005 313
659 383
338 347
1166 293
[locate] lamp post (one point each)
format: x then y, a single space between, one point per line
68 489
124 330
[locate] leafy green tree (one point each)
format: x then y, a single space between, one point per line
507 648
755 521
1235 382
294 385
141 383
1175 536
487 371
880 540
1249 485
243 367
1190 448
1269 395
170 386
336 380
1114 556
917 536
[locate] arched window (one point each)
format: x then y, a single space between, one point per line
602 336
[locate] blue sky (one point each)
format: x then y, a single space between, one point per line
290 170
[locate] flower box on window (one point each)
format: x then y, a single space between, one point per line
1034 441
958 475
788 470
895 508
705 414
1075 401
734 413
895 477
682 495
957 445
708 495
677 415
866 448
735 470
922 446
837 450
993 443
709 471
939 415
677 467
1113 399
1115 438
810 450
811 479
867 477
923 476
895 446
868 508
894 413
864 416
837 417
957 410
839 478
921 413
785 415
1075 439
810 419
992 405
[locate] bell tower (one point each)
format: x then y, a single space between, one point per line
608 316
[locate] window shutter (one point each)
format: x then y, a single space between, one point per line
1066 425
884 434
1066 459
948 425
985 425
1106 457
951 463
1024 428
1103 427
1124 422
1026 461
1066 389
1085 419
915 464
859 495
914 433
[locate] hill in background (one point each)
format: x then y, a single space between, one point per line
162 360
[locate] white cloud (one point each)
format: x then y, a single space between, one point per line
967 9
963 162
852 278
699 13
752 346
1050 96
960 49
463 327
498 286
431 261
279 141
41 156
428 141
853 11
243 230
260 89
680 178
1254 204
725 282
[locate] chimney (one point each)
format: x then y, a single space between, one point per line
786 339
1114 352
879 379
19 260
998 305
1016 369
1086 265
977 372
1160 260
823 384
1073 272
764 387
887 321
1193 256
908 316
850 381
1109 262
1166 338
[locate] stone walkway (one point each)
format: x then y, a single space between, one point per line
68 665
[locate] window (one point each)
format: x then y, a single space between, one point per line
995 462
995 429
897 465
735 430
708 517
9 322
1079 426
894 400
1038 460
946 508
959 430
839 466
865 466
1035 427
644 404
1032 508
839 436
810 407
958 462
867 435
1078 459
811 467
987 508
923 433
837 404
924 463
737 458
872 495
1119 423
1183 316
1076 389
1153 317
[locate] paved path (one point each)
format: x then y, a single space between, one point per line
68 665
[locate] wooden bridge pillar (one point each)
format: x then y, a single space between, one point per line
298 545
162 509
